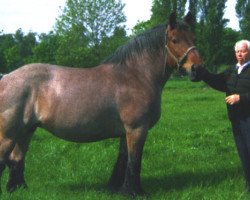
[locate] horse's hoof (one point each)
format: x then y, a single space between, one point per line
113 188
12 187
114 185
132 192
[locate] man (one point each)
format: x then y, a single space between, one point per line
235 82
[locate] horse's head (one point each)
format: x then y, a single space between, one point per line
180 47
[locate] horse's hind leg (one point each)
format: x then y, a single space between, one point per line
6 146
16 164
16 171
117 178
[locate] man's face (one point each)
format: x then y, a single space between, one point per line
242 54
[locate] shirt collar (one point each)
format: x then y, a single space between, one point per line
242 66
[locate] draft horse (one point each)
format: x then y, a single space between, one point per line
119 98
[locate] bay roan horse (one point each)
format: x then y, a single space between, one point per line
119 98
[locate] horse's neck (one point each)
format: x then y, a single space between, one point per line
168 73
154 70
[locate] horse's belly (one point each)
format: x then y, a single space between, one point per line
89 132
84 120
83 137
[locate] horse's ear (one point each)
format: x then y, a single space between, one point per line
172 20
189 18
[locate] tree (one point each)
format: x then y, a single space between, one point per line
73 51
12 58
161 9
25 44
46 50
93 19
16 49
6 42
110 44
192 7
142 26
230 36
83 25
242 9
210 31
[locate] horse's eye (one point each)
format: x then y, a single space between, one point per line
174 40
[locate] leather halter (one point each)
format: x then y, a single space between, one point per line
180 61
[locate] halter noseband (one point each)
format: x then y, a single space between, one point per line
180 60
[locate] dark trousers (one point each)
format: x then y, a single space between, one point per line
241 130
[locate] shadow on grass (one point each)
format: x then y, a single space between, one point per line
178 181
84 187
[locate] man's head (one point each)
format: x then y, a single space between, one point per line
242 51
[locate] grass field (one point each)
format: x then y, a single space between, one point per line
189 154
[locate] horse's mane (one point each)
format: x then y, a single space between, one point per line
152 41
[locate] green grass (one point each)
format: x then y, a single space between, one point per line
189 154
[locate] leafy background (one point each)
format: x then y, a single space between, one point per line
88 31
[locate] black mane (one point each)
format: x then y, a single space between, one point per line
152 41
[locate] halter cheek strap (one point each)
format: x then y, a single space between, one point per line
182 59
1 76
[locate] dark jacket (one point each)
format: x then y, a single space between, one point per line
231 82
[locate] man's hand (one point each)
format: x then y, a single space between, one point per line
232 99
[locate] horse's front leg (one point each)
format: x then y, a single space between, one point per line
135 142
117 178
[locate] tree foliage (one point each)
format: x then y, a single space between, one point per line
242 10
83 26
162 8
91 19
87 31
16 49
210 29
47 49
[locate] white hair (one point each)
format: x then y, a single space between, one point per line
240 42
